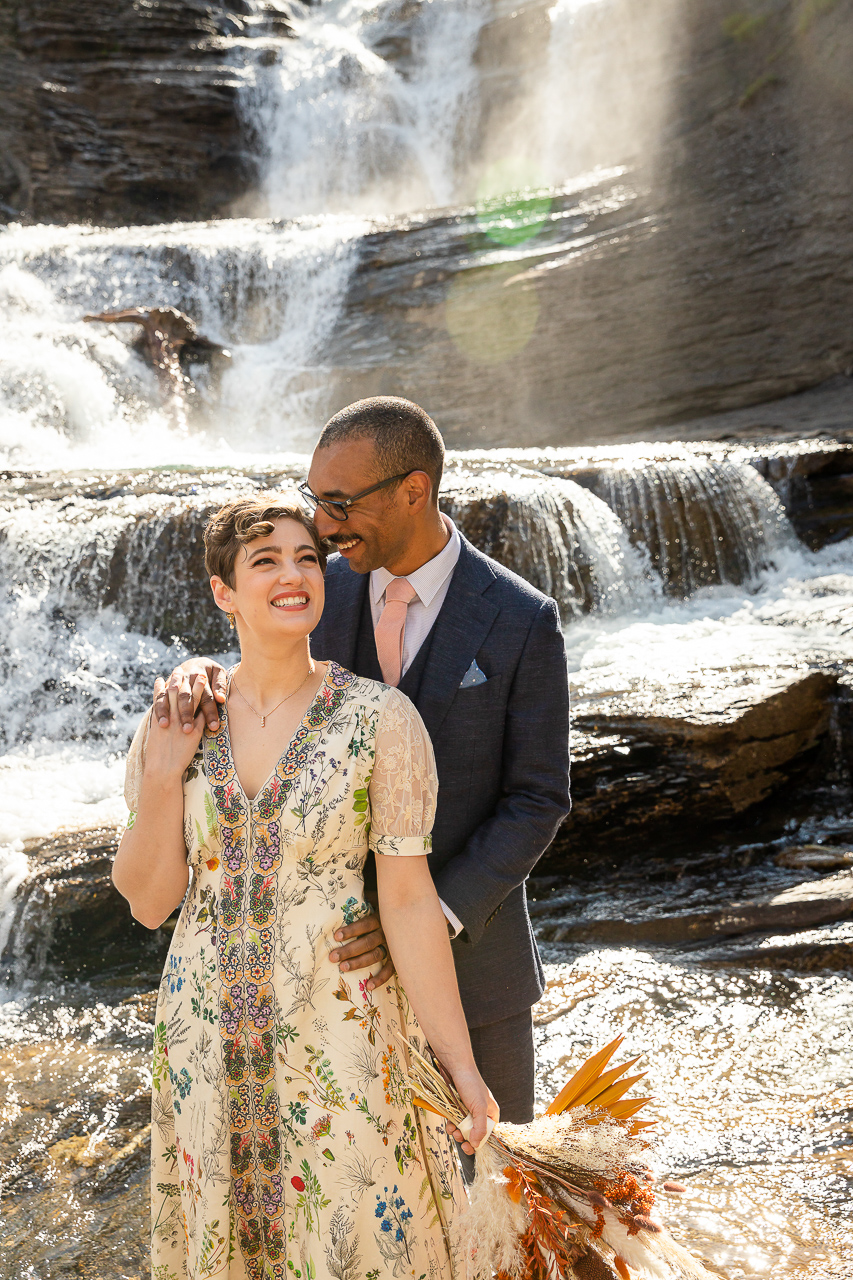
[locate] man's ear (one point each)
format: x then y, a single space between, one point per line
418 489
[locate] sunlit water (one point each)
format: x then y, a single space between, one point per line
750 1071
751 1074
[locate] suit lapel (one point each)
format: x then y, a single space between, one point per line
465 619
336 635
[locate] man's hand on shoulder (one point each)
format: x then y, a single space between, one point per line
196 685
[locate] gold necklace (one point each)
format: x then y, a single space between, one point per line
263 718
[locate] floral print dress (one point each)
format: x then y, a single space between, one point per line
284 1142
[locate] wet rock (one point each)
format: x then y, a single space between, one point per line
653 763
806 905
68 913
112 1172
125 113
815 857
157 579
528 526
815 486
144 1005
815 951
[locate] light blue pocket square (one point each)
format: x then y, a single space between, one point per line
473 676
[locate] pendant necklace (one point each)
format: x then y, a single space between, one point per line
263 718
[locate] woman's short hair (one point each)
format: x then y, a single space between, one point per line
235 525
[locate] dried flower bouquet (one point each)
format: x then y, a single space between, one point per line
569 1196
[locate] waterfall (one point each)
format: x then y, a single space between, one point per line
701 520
373 106
554 533
77 394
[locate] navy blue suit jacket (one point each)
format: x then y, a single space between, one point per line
502 754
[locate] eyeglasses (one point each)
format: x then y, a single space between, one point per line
338 509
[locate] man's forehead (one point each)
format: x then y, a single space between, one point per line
344 467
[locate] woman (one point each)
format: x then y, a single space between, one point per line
284 1142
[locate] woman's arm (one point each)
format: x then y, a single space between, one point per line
150 868
402 792
416 930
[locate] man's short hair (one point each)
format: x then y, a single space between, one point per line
404 436
230 529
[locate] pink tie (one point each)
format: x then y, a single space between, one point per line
391 627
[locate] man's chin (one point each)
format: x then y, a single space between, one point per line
358 558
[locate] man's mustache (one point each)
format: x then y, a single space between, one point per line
336 538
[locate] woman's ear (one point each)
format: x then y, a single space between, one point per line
221 594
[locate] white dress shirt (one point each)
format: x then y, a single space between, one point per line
431 582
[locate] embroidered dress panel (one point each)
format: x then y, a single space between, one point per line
284 1142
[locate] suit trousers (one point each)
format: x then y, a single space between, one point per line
503 1052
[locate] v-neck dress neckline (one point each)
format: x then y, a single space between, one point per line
303 723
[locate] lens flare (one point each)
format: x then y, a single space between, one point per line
512 203
491 313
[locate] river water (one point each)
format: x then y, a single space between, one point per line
671 564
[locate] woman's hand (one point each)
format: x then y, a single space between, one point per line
200 685
169 750
479 1100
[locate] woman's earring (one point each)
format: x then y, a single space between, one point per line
230 617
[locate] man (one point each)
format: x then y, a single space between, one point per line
481 655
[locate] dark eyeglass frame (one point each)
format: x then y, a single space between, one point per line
337 508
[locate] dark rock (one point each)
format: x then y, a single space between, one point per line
815 902
652 763
816 488
158 580
122 113
815 857
69 913
828 949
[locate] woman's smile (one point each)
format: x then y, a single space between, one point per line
292 600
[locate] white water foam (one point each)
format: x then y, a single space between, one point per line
75 678
797 615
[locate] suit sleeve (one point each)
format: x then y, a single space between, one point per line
502 851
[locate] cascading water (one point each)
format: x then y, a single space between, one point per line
76 393
555 534
373 107
104 587
701 520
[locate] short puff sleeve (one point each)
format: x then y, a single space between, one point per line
404 785
135 765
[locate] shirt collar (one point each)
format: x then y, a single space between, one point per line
430 577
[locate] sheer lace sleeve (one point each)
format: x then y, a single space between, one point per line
404 785
136 764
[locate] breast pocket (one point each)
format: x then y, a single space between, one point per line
478 695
